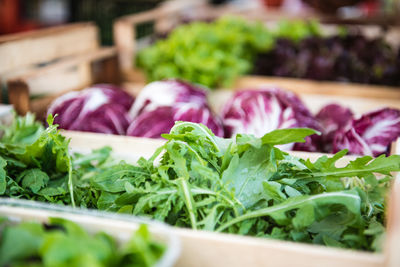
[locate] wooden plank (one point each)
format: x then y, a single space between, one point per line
124 147
392 255
319 87
72 73
124 28
43 46
359 105
19 96
93 55
201 248
123 36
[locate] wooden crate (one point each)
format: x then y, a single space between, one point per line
120 227
201 248
52 61
166 17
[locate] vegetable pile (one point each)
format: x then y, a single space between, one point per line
109 109
346 58
64 243
160 104
215 54
243 185
262 110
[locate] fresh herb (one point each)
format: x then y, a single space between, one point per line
244 185
64 243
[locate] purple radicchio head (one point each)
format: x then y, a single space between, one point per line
100 108
333 118
161 103
371 134
260 111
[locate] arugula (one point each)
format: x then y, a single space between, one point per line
243 185
35 158
64 243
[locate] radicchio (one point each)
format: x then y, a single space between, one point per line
166 94
371 134
260 111
333 118
161 103
102 108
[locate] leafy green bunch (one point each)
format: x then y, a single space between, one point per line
248 186
215 54
62 243
35 162
243 185
212 54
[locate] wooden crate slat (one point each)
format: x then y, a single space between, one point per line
201 248
46 45
72 73
320 87
359 105
392 248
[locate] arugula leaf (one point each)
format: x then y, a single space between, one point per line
3 184
350 199
287 136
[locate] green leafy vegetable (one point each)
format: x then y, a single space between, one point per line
215 54
64 243
35 158
244 185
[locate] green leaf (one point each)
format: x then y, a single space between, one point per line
20 242
350 199
245 175
34 179
3 183
287 136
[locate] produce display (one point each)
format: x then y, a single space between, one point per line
215 54
344 58
160 104
243 185
64 243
